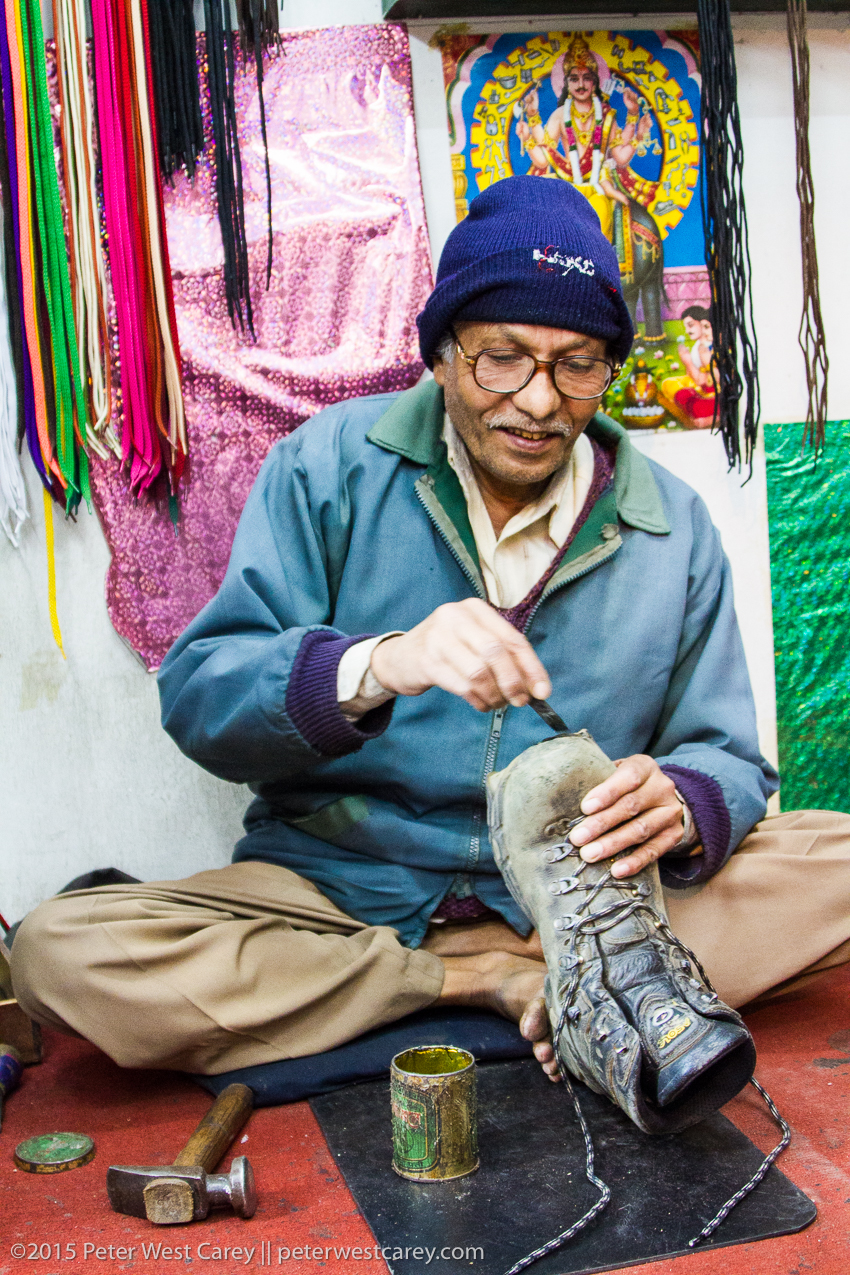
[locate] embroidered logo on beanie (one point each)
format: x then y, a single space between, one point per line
550 258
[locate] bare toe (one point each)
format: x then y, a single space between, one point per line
543 1051
534 1023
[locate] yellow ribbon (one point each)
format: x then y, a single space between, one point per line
51 571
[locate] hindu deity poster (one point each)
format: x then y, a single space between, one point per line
615 113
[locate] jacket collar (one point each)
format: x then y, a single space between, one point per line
413 428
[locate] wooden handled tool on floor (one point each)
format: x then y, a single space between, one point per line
185 1191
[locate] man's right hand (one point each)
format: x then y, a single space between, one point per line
466 648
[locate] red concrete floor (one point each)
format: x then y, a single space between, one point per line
144 1118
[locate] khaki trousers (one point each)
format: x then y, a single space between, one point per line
251 963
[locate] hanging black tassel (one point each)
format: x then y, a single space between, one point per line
221 62
180 129
259 31
259 24
724 219
811 335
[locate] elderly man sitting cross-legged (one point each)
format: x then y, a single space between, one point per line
409 569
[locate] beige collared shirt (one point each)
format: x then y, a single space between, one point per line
511 563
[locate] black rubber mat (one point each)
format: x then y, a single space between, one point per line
531 1183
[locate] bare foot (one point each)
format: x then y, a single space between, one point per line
493 980
475 938
510 985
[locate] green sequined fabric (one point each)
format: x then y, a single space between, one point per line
809 512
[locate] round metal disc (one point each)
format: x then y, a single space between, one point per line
54 1152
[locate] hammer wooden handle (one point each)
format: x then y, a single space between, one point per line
218 1128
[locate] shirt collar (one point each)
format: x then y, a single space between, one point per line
413 423
557 501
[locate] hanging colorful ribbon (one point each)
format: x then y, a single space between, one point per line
153 437
88 273
13 495
54 399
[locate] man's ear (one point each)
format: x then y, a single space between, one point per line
439 370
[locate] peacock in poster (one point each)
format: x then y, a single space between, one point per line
616 114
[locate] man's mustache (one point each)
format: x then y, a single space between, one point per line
552 425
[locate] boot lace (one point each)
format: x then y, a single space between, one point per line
584 923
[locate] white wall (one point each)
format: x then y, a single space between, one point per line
88 777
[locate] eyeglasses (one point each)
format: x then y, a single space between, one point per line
509 371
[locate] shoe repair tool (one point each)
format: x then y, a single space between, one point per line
545 710
10 1074
54 1152
184 1191
435 1120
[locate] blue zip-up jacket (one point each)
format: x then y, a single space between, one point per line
357 525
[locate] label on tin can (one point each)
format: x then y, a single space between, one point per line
416 1143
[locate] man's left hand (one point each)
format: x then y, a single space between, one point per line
636 807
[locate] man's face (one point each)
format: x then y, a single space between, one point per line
519 439
692 327
580 83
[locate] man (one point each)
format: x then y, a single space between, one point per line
408 570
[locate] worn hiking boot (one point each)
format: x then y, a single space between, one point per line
631 1014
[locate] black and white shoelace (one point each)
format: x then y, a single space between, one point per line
585 926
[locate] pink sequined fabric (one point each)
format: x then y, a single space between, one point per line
351 271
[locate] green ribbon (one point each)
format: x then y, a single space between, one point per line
65 358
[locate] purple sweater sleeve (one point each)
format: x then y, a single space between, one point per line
311 700
708 807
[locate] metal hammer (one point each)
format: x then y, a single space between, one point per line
184 1191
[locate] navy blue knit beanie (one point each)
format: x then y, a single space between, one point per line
530 251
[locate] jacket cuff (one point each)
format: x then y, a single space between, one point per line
711 816
311 697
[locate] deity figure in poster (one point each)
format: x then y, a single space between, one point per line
582 143
615 114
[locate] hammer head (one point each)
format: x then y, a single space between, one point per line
169 1193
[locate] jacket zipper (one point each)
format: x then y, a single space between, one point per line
499 715
561 583
489 763
464 568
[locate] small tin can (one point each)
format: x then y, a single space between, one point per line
434 1113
